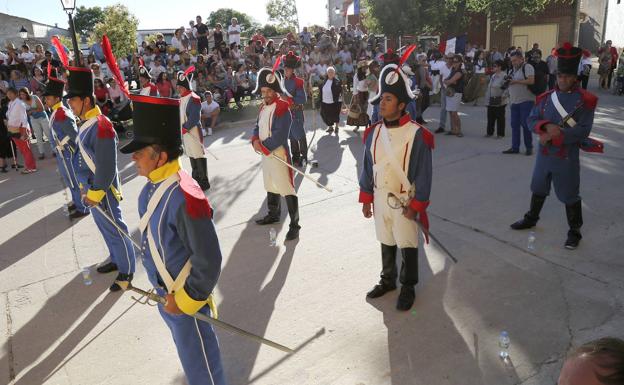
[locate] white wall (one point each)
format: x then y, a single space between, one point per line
615 23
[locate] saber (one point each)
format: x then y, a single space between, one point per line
108 218
299 172
60 153
213 321
202 145
427 232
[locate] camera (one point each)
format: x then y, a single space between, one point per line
506 81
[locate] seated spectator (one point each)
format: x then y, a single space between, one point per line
177 41
258 37
26 56
156 68
37 82
165 88
244 84
17 80
39 54
598 362
270 47
101 96
209 112
97 74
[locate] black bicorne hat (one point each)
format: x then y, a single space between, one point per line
185 78
79 82
568 59
156 121
272 80
393 80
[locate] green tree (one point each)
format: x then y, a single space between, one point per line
86 19
270 30
120 26
225 15
284 13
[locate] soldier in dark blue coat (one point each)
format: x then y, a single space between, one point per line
563 118
296 97
181 252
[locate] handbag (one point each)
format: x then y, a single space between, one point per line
449 91
354 109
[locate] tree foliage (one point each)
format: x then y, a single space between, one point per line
394 17
225 15
120 26
270 30
86 19
284 13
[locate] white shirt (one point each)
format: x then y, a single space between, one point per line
328 97
16 114
208 109
157 70
27 57
177 44
234 33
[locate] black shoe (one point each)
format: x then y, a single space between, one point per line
574 237
267 220
511 151
71 206
17 166
379 290
77 214
532 216
3 169
292 234
41 157
106 268
406 298
529 151
439 130
121 282
329 130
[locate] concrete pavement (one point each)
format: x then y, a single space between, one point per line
311 294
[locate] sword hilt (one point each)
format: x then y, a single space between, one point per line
151 296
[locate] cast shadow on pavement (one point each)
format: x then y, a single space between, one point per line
246 302
329 156
55 318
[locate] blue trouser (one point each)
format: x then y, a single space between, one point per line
66 169
297 131
519 114
562 173
443 113
197 347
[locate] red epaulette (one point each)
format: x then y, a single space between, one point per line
368 130
60 116
197 205
590 101
105 128
298 82
428 137
540 97
281 108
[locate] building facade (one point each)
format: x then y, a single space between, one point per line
38 33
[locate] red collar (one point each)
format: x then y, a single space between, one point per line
185 93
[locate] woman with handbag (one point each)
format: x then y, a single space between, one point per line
496 99
19 130
38 119
359 101
331 100
454 88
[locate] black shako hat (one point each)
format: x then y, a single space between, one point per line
291 60
54 86
156 121
568 59
79 82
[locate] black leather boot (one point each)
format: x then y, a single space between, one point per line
106 268
293 211
202 168
121 282
406 298
408 278
532 216
194 170
273 204
388 272
303 145
296 152
574 212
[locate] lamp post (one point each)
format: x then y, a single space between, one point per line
23 33
69 6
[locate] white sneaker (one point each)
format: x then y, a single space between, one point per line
209 131
203 131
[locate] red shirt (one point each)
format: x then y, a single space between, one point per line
164 88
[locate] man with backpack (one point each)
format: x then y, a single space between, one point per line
521 78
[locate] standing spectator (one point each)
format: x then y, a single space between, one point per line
331 100
177 41
442 68
7 149
604 67
209 112
585 66
372 80
305 37
551 62
234 31
161 47
495 55
454 85
347 68
614 60
165 88
19 130
202 34
522 101
217 35
496 100
97 51
533 51
541 72
38 119
39 55
359 101
191 33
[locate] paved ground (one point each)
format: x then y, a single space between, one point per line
310 295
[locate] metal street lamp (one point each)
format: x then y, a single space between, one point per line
23 33
69 6
337 11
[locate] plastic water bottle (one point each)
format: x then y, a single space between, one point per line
503 343
65 210
531 241
272 237
86 276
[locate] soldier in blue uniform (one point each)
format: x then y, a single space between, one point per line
397 160
561 139
192 138
296 97
181 250
97 173
64 131
270 138
146 87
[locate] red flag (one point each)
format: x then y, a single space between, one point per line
112 64
60 50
